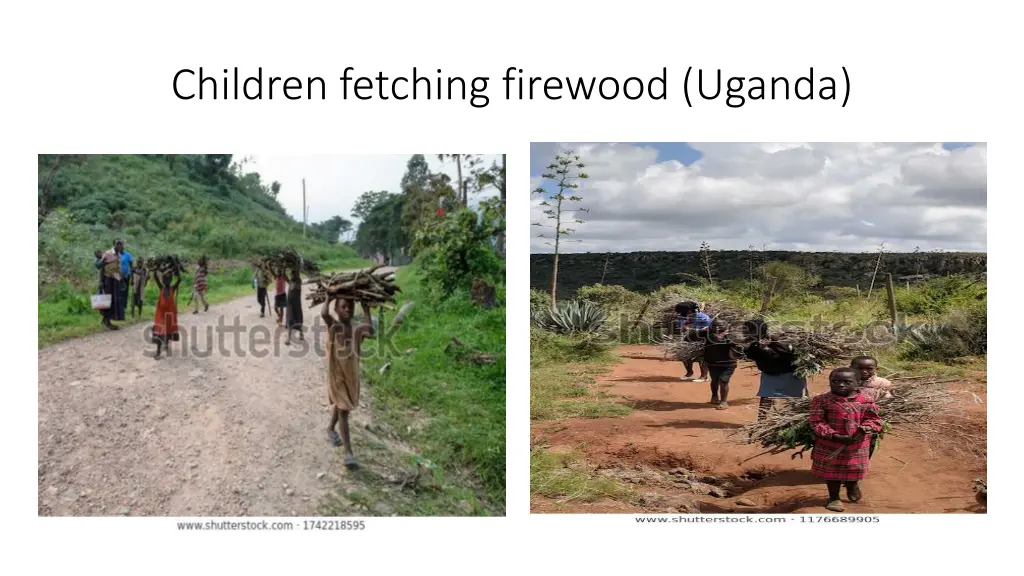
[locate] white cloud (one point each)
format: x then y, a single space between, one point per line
790 196
334 182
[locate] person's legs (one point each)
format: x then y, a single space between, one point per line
261 296
871 447
689 369
763 407
834 504
331 432
853 491
350 459
715 374
703 370
195 300
723 386
206 305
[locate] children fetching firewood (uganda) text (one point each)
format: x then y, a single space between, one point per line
344 346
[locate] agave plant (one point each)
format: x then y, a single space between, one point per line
571 316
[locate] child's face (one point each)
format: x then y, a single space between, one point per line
842 383
167 279
865 369
343 308
98 254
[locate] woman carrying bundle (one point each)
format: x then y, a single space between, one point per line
777 363
280 294
109 264
693 324
843 422
721 357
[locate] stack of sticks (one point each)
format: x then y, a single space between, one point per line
283 260
366 286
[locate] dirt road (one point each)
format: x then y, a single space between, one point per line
233 426
673 426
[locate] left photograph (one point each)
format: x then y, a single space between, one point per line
257 335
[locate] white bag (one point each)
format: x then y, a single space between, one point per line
100 301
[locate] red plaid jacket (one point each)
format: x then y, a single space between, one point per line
830 415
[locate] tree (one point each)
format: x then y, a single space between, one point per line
495 176
330 230
380 231
781 279
561 173
366 202
470 163
878 264
705 261
275 188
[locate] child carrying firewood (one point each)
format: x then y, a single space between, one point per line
199 286
280 294
721 356
344 346
843 422
872 386
165 325
693 325
293 315
140 276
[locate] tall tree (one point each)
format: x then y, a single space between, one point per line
566 172
366 202
705 261
275 189
464 163
494 176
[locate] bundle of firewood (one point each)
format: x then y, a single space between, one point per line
285 260
363 285
166 264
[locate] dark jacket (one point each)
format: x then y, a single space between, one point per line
773 358
720 351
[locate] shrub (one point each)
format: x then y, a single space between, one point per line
459 251
578 347
569 317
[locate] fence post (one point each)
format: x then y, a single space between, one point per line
892 299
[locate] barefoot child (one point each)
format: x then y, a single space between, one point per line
165 325
721 356
280 294
293 316
344 346
777 363
843 421
140 276
199 286
872 386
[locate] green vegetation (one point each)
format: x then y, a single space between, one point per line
160 204
564 476
451 409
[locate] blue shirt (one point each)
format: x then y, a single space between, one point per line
700 321
126 264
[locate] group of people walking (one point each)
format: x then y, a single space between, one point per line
845 420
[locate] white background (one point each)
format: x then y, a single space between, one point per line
95 77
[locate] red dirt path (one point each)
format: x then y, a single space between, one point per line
673 425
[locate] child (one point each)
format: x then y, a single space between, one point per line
842 421
165 325
777 363
872 386
293 317
140 276
344 346
721 357
280 295
199 286
262 278
694 326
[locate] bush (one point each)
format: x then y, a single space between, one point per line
938 296
539 300
459 251
962 332
607 297
570 317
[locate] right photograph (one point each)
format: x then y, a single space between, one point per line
758 328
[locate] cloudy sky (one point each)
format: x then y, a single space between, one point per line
334 182
845 197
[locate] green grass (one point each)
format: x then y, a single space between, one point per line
564 476
65 316
452 410
568 391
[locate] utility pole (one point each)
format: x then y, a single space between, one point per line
304 211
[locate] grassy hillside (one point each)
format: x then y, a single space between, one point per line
183 204
647 271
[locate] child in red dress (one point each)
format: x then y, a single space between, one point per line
165 325
843 421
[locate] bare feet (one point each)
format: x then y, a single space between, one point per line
835 506
853 493
722 406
